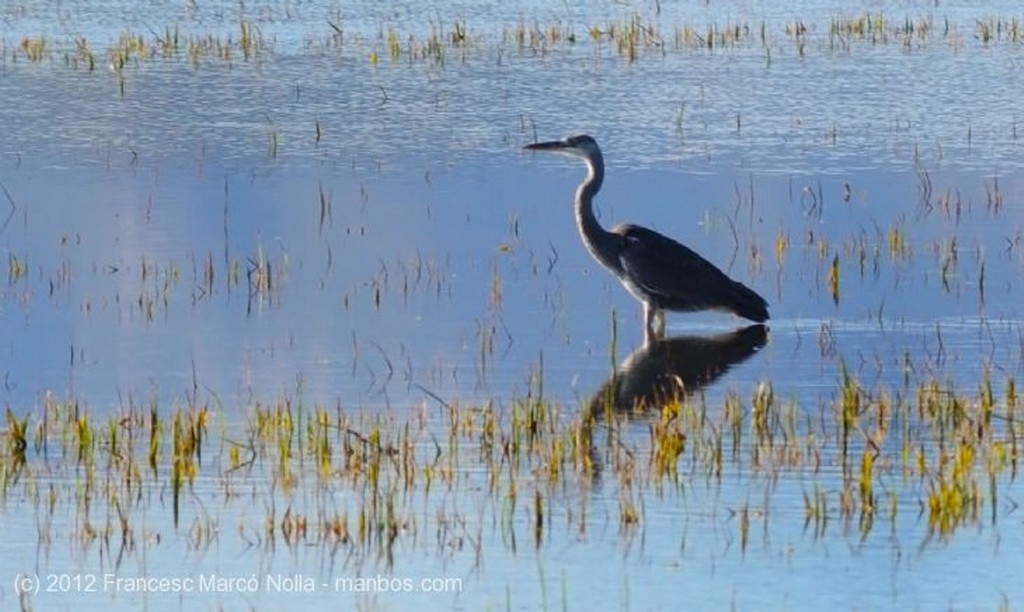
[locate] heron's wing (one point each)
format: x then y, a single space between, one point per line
678 278
663 267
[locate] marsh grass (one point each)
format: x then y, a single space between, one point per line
927 446
631 38
377 487
34 48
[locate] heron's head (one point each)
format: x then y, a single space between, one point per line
577 146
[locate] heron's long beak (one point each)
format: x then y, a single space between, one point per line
553 145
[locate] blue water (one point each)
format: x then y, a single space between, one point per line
417 255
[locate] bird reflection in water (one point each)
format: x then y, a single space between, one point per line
666 370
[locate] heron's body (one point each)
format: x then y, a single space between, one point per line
660 272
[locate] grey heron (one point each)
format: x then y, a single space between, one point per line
660 272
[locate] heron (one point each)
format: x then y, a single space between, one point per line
660 272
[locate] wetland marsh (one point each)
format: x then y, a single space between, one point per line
290 319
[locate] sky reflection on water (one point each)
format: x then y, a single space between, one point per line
370 236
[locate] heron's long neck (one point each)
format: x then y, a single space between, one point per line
600 243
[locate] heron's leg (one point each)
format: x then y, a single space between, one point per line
654 324
650 331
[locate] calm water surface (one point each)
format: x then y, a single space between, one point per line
325 224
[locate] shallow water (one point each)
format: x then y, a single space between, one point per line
322 225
